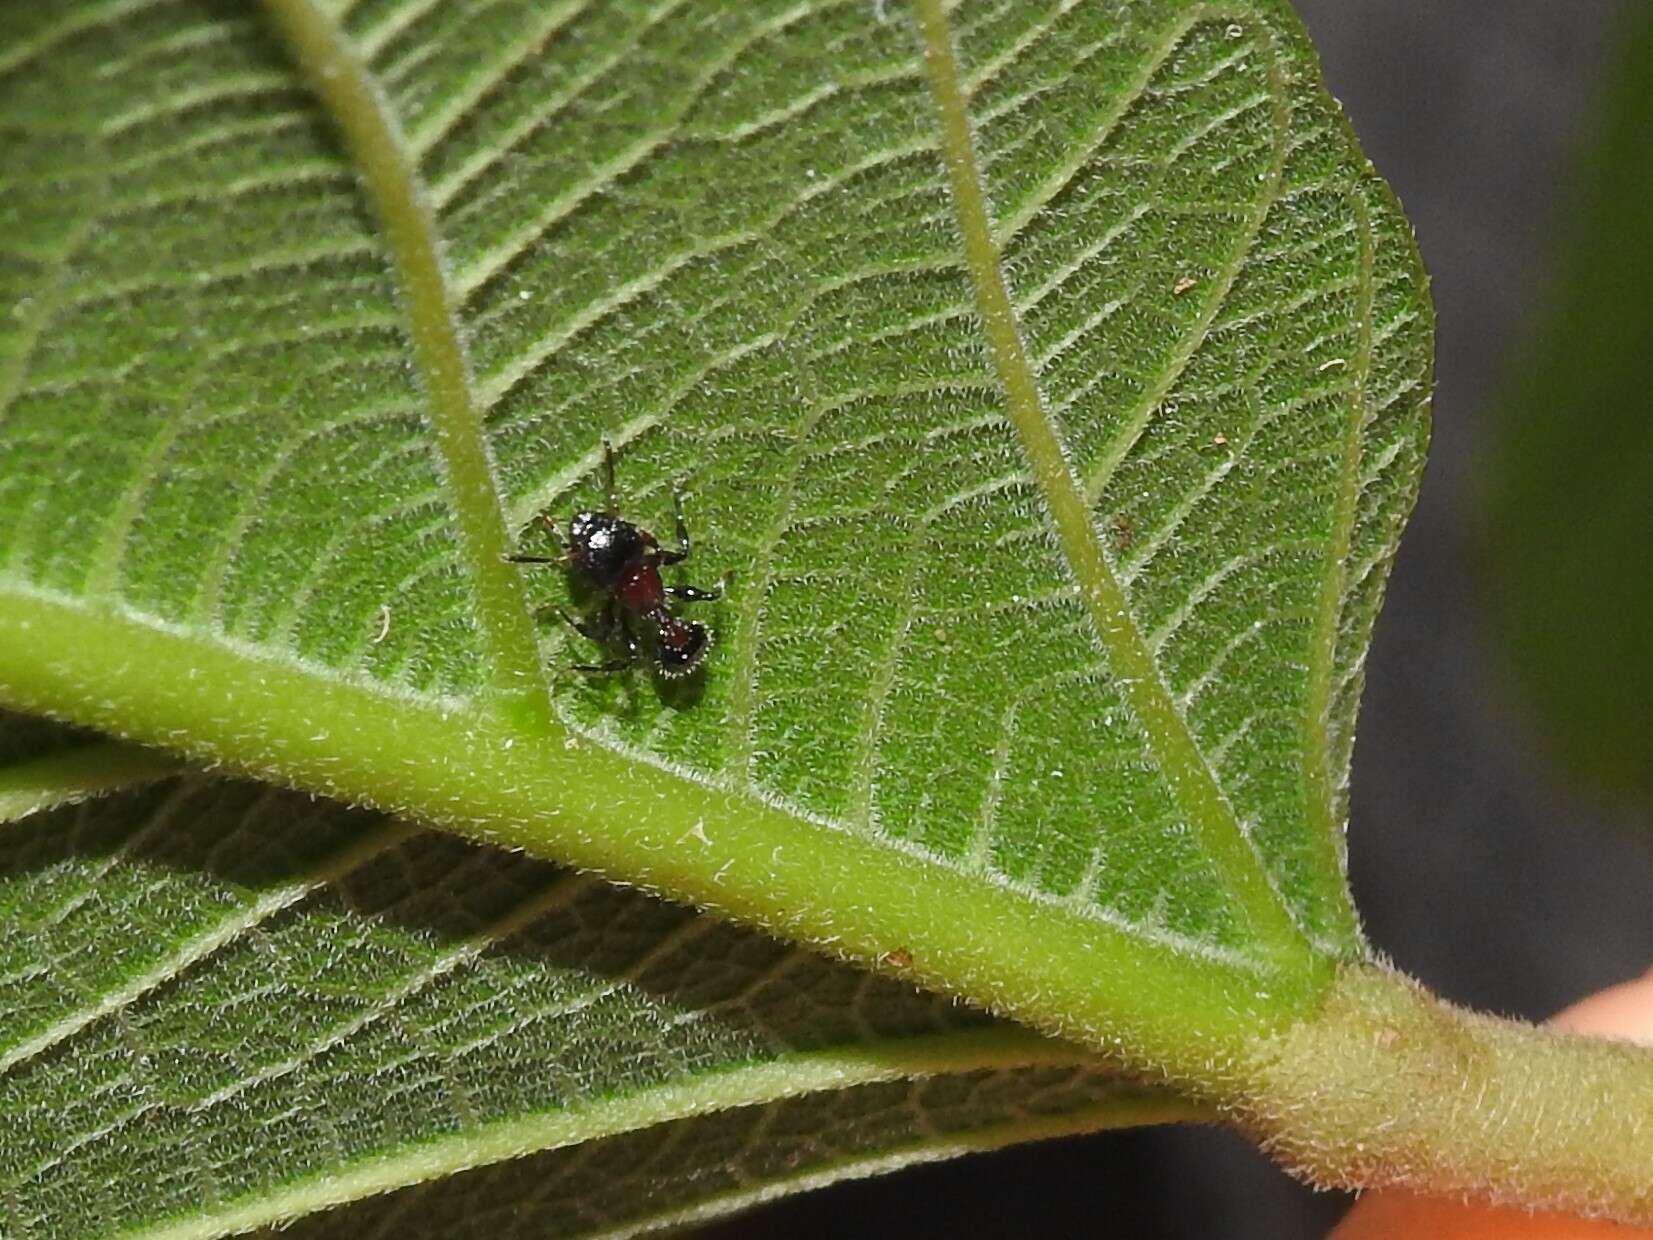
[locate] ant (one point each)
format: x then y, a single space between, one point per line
621 562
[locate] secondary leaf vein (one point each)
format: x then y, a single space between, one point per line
1320 796
381 153
1268 193
1191 783
198 947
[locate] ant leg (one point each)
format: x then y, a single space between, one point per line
608 478
684 546
613 665
544 521
689 594
591 632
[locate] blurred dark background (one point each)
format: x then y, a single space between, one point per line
1478 864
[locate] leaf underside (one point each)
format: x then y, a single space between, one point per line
312 1003
698 1169
1047 382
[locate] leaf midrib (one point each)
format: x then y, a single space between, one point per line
1189 779
1157 999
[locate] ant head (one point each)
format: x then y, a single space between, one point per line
602 545
680 646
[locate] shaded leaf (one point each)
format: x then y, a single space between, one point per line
45 764
26 737
270 1004
1567 512
697 1169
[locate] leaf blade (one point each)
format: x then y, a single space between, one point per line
381 152
719 263
464 958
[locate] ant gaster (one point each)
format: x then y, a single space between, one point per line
620 563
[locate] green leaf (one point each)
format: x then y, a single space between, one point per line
1050 383
43 764
306 1004
697 1169
1566 511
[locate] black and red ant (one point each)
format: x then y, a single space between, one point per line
620 563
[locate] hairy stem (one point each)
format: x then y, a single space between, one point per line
1389 1086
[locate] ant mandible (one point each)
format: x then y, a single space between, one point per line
621 562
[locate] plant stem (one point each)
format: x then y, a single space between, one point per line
1389 1086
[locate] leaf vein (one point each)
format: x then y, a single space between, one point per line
1319 793
504 378
390 178
250 499
1083 152
1192 783
1216 295
497 257
446 189
440 122
190 952
78 22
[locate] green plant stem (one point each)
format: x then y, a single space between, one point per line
1390 1087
